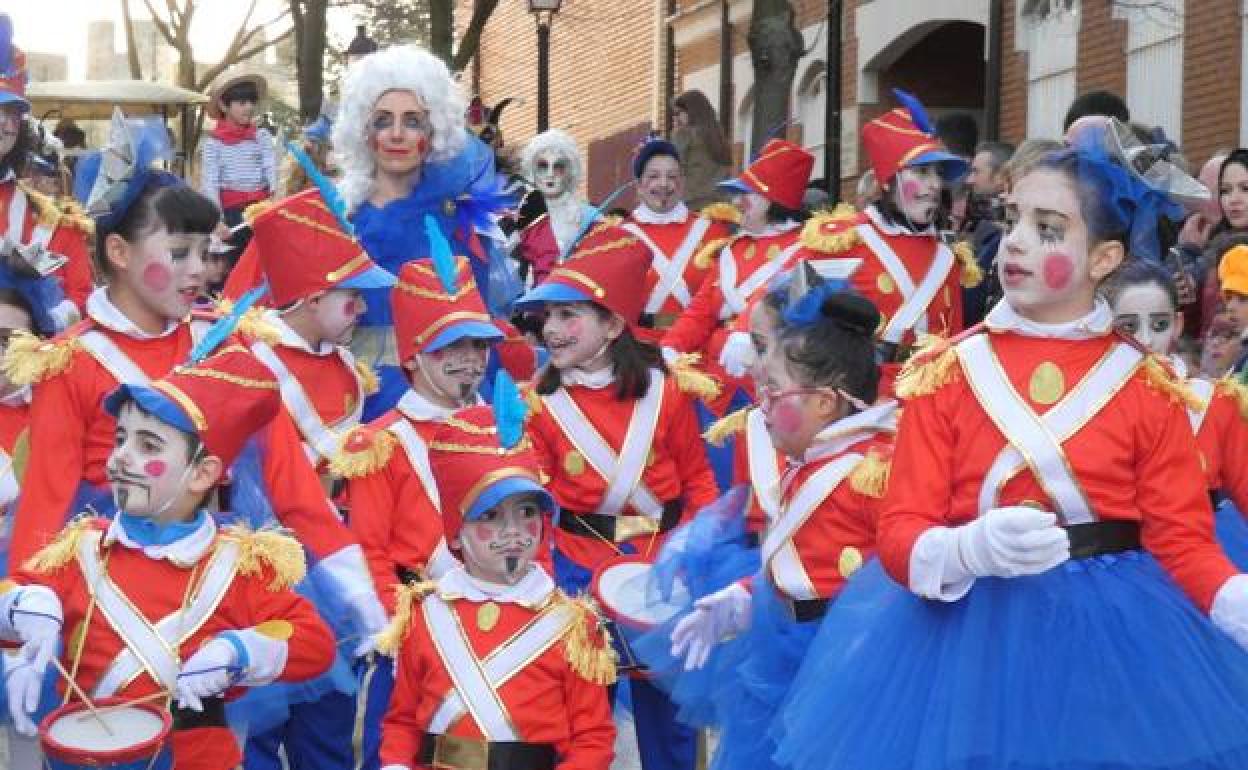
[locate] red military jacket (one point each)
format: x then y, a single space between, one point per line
61 227
1221 425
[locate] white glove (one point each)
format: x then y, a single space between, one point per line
1230 609
36 618
737 355
670 355
369 618
714 618
207 674
1009 542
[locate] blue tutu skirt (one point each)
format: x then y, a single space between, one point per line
1098 664
1232 533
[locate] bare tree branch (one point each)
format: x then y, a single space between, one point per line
471 40
132 48
165 31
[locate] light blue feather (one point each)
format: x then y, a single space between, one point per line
441 255
6 43
220 331
509 410
915 107
333 199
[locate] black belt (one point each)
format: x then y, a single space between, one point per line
806 610
1101 537
455 753
601 525
213 715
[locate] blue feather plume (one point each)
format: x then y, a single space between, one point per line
441 255
6 43
917 113
509 410
225 326
808 309
333 199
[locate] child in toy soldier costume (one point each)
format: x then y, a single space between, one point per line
161 599
496 666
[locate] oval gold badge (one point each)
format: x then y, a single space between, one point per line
850 561
487 616
1047 384
573 463
885 284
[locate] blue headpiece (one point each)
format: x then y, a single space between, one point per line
318 130
42 294
807 293
652 146
109 181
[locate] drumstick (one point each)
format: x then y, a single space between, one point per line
127 704
82 696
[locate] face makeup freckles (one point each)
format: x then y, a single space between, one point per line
149 464
499 546
399 133
574 334
1145 312
167 271
662 184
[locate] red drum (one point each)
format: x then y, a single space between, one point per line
136 738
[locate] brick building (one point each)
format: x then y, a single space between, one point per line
1178 63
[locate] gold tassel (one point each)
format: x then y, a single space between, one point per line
253 325
870 476
75 216
721 212
389 639
725 427
269 547
929 369
706 255
46 212
368 378
30 360
692 381
1237 390
256 209
64 547
830 234
1160 377
586 645
364 450
972 275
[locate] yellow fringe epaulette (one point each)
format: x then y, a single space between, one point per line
721 212
368 378
270 548
253 325
692 381
934 364
75 216
366 449
256 209
706 255
30 360
533 400
406 596
64 547
870 476
1237 390
611 220
44 207
972 275
587 646
725 427
832 232
1160 377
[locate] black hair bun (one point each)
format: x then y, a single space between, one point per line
853 312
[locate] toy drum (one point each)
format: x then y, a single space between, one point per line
123 737
622 588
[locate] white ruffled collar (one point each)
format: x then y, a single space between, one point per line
184 552
1097 323
533 590
648 216
288 337
595 380
847 431
101 309
888 228
417 408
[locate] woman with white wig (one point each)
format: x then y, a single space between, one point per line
415 180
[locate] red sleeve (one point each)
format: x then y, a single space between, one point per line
297 496
401 729
684 442
77 279
1223 441
310 649
58 428
371 506
591 732
693 329
921 499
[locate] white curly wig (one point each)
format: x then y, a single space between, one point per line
562 145
397 68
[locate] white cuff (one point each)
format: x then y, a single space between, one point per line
346 571
1230 609
266 652
31 600
935 570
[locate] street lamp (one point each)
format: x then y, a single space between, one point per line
544 12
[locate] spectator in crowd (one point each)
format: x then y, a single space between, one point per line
868 190
981 227
959 132
1220 347
1097 102
704 151
238 164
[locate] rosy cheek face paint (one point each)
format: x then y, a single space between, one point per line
910 189
351 308
533 527
421 145
786 416
157 277
155 468
482 535
1058 269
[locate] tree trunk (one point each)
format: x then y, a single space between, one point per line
309 22
471 41
775 48
442 28
132 48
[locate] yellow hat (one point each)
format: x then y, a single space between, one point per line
1233 270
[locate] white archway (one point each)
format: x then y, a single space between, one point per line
886 29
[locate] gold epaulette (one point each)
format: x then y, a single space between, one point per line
610 220
721 212
368 378
365 449
256 209
75 216
972 275
533 400
706 255
692 381
933 364
832 232
44 207
725 427
406 596
586 644
1159 376
64 547
1237 390
270 548
30 360
253 325
870 476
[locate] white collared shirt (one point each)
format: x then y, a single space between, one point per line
595 380
648 216
182 552
531 591
1097 323
102 310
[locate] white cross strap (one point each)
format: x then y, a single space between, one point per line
119 365
915 299
671 271
737 297
322 439
764 468
1204 391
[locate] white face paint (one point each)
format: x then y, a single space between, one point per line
452 375
1146 313
499 546
149 465
337 312
576 335
552 173
918 193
